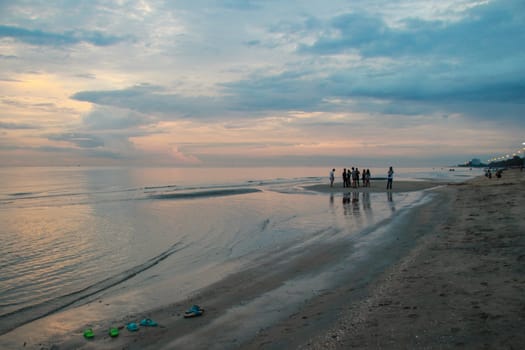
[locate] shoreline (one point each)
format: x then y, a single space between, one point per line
246 299
260 282
401 301
463 285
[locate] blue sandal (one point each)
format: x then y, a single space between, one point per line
193 311
148 322
132 327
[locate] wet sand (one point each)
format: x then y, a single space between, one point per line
462 286
456 278
377 186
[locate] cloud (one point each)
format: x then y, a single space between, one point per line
8 57
86 76
495 24
474 58
81 140
17 126
118 97
243 5
415 67
146 98
259 76
42 38
75 153
106 145
182 158
90 153
103 118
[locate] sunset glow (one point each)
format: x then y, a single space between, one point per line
260 83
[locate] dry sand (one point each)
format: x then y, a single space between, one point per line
462 286
456 280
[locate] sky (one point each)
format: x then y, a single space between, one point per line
261 82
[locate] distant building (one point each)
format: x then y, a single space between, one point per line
475 162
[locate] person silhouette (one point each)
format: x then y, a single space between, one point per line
390 178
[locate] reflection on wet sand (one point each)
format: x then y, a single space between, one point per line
366 201
351 203
390 200
354 201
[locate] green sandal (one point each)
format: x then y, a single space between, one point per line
89 334
113 332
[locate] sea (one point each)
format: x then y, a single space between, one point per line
138 237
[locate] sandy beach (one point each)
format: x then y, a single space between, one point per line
455 277
463 284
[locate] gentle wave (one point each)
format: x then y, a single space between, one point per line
28 199
14 319
205 193
148 188
18 194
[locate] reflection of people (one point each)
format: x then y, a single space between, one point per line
391 201
346 202
355 202
389 178
366 200
332 177
351 201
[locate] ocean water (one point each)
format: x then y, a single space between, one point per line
141 236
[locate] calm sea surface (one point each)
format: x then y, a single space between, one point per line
72 234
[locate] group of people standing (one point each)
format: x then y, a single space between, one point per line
351 177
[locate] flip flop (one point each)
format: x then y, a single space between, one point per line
132 327
89 334
113 332
148 322
193 311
